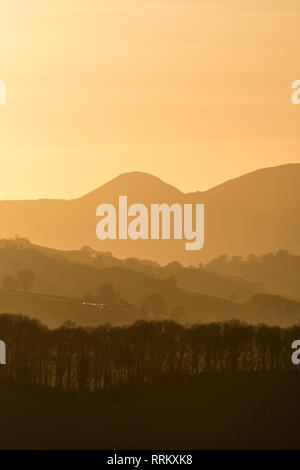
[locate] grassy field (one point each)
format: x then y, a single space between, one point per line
221 412
53 310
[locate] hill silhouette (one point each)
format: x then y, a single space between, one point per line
49 263
254 213
63 281
57 276
278 272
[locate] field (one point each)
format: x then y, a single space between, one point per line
254 411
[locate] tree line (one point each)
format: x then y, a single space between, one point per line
24 280
153 306
103 357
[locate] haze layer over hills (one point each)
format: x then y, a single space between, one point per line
255 213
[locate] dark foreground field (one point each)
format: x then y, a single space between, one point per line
241 412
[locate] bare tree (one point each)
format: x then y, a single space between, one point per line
8 283
107 293
155 306
25 279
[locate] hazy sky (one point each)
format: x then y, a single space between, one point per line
195 92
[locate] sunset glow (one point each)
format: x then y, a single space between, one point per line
194 91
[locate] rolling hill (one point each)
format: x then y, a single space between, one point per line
255 213
71 281
61 285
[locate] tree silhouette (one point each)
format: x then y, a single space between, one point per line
178 313
90 359
106 293
154 305
8 283
25 279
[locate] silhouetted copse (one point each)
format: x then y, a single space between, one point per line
90 359
279 272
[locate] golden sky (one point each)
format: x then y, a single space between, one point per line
193 91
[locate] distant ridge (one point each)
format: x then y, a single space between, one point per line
136 183
255 213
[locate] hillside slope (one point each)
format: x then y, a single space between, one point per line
254 213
